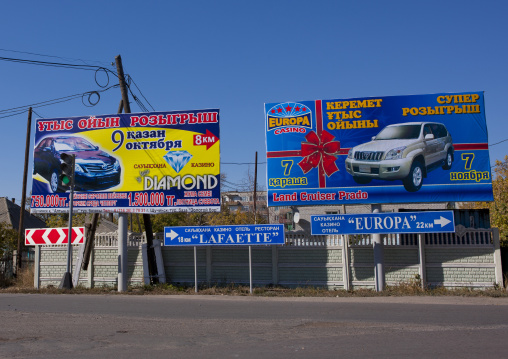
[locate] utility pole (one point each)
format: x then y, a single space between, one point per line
122 217
23 193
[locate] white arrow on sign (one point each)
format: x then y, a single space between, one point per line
172 235
442 221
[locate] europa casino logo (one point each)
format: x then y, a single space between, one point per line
318 148
289 117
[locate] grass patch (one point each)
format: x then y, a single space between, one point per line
24 284
25 278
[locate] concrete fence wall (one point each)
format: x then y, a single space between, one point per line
468 258
51 261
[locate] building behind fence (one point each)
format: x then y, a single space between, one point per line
467 258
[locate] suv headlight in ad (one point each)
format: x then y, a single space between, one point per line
396 153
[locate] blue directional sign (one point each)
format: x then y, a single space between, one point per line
369 223
249 234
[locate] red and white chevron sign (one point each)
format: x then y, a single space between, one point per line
41 236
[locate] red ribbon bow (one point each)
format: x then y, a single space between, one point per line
319 151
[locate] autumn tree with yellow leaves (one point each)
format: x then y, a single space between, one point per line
498 209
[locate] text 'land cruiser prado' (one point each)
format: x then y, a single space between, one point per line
406 151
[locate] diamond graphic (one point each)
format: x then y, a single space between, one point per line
177 159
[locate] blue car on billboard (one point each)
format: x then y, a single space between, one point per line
94 169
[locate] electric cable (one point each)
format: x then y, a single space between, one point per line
85 95
497 143
135 98
97 69
141 93
40 116
52 64
57 57
14 114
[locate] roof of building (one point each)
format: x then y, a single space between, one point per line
10 214
106 226
234 203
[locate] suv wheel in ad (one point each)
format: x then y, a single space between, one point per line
448 160
414 180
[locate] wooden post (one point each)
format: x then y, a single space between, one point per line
90 270
21 235
90 238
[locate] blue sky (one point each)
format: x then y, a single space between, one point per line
237 55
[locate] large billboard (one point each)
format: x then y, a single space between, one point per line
131 163
397 149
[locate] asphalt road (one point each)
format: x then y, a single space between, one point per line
123 326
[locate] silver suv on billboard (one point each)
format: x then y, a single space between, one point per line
406 151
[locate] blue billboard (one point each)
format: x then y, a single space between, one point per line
396 149
392 222
247 234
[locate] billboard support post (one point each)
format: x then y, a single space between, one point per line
122 252
195 269
250 269
379 265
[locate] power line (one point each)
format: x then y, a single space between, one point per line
225 185
14 114
137 100
225 182
38 114
141 93
57 57
95 68
497 143
52 64
20 109
499 164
